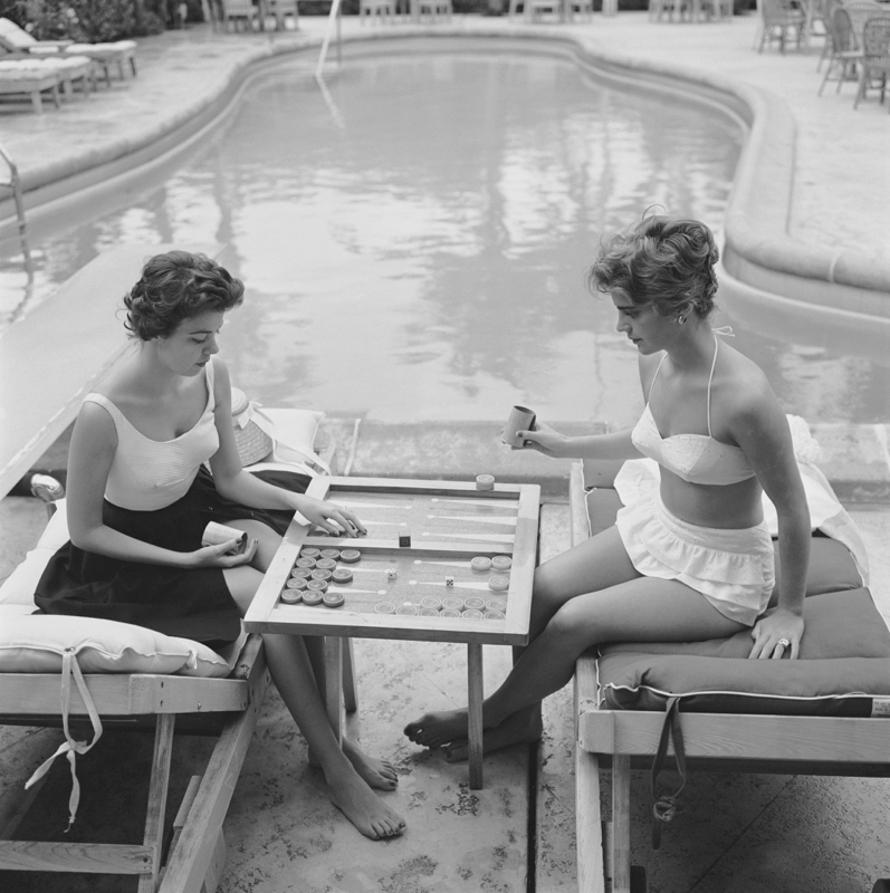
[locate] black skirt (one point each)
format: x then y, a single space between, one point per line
194 603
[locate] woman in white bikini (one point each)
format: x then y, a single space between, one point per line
697 561
140 495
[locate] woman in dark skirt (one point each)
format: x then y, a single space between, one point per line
140 496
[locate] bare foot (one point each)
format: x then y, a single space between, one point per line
379 774
436 729
370 815
520 728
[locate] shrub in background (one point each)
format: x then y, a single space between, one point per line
91 21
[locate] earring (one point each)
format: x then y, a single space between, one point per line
681 319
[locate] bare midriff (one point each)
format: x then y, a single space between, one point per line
723 506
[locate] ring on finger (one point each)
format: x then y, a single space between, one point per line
785 643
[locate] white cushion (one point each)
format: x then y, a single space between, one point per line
18 588
293 432
35 643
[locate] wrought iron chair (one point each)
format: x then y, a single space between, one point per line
845 52
875 62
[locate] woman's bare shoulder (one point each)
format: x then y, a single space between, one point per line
744 387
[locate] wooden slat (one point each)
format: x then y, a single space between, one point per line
730 736
620 839
158 788
121 694
190 859
588 820
87 858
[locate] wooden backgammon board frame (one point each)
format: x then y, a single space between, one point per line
437 553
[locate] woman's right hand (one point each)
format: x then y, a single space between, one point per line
222 555
543 439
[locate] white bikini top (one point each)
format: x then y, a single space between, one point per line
147 474
696 458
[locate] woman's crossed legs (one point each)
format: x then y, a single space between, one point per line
587 596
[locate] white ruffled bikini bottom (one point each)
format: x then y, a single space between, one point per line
733 569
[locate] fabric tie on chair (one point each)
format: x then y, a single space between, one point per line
70 747
664 806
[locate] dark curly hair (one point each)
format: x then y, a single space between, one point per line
176 286
662 261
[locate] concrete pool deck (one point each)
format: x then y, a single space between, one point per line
775 834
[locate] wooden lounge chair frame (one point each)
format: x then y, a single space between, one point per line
620 740
196 853
32 86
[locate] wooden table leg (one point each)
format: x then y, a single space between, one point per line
333 674
474 731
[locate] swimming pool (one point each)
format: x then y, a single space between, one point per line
417 248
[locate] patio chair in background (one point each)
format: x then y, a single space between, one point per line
537 8
719 9
828 8
584 8
659 8
875 64
383 10
281 9
432 9
845 52
781 20
860 11
240 14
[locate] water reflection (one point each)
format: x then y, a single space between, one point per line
423 254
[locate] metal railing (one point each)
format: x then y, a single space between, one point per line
15 184
333 30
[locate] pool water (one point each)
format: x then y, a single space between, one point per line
415 245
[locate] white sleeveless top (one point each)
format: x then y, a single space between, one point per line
147 474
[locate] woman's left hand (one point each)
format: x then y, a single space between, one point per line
777 634
330 516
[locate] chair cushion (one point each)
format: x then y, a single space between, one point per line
19 587
34 643
845 656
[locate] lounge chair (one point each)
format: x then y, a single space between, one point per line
705 706
119 53
30 81
34 76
